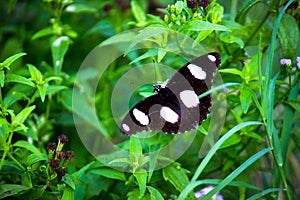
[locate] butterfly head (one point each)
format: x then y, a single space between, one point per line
156 88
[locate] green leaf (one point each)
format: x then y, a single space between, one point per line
82 170
255 136
154 193
68 193
295 104
109 173
7 190
134 195
2 77
80 8
14 78
42 91
68 180
215 13
8 61
12 98
234 139
202 35
264 192
36 75
199 25
120 38
33 158
26 145
230 38
246 7
22 116
288 35
161 54
138 13
231 71
176 175
287 130
250 69
59 48
52 89
44 32
245 97
141 177
135 146
26 179
148 54
146 34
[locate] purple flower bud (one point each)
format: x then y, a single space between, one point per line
204 3
60 173
69 154
54 164
51 146
191 3
63 139
60 155
123 4
298 65
107 7
298 59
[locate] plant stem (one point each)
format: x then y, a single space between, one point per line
17 162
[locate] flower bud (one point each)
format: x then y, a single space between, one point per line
172 9
173 18
69 156
204 3
166 19
62 139
51 149
60 155
60 173
191 3
183 19
53 164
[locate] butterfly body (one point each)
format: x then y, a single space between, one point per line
175 106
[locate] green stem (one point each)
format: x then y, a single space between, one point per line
17 162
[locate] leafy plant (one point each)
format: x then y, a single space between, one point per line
43 45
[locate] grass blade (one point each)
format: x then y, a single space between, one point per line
210 154
236 173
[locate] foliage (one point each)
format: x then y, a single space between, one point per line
43 44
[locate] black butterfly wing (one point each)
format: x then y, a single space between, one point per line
176 108
148 114
188 83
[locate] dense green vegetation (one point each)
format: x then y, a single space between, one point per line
53 147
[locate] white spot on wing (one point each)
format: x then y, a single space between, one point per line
189 98
212 58
168 114
197 71
125 127
141 117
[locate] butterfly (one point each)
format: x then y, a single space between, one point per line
175 106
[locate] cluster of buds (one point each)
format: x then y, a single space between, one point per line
182 11
58 160
287 63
